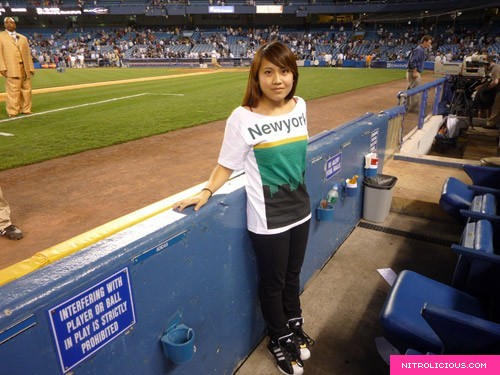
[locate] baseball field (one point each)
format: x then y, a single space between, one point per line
85 109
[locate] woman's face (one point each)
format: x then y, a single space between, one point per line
275 82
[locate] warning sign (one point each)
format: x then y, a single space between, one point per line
333 166
85 323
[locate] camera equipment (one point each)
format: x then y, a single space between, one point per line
448 68
475 66
472 66
461 110
462 103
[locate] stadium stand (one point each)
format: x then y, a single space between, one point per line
388 33
387 44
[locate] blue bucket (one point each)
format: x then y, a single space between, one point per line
178 343
351 190
324 214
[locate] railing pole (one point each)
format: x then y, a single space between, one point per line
437 99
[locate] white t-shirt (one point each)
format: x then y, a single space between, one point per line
272 152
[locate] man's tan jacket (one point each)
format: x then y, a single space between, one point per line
15 56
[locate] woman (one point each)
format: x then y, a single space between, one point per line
267 137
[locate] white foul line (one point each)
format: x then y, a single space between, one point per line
84 105
164 94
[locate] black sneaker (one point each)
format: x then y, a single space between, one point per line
12 233
302 338
286 353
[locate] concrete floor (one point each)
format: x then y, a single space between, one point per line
342 303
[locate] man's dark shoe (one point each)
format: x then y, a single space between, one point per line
12 233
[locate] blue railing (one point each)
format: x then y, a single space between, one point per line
423 90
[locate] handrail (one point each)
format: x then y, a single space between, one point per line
424 89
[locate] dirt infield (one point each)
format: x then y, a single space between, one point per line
58 199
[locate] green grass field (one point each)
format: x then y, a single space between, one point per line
69 122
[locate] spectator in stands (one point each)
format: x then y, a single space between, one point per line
449 56
438 59
143 43
7 229
368 60
340 59
214 56
16 65
328 59
414 69
278 207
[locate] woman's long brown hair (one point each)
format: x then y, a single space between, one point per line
278 54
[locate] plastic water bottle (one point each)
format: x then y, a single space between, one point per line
333 195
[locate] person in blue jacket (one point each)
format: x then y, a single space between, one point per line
414 69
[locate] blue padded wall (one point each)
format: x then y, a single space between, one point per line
194 268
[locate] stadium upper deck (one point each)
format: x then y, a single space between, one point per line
348 10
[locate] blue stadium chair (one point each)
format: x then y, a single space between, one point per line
473 273
461 333
457 195
484 205
478 207
483 176
428 316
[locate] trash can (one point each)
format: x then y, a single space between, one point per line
378 197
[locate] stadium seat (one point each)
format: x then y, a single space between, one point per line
484 205
429 316
483 176
455 196
482 196
423 314
482 222
472 274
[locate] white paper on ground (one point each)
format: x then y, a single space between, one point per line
388 274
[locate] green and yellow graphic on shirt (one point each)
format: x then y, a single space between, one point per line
281 163
282 166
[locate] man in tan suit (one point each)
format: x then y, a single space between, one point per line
16 65
6 228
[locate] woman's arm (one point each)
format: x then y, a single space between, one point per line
218 177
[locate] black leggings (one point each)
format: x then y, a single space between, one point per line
279 259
